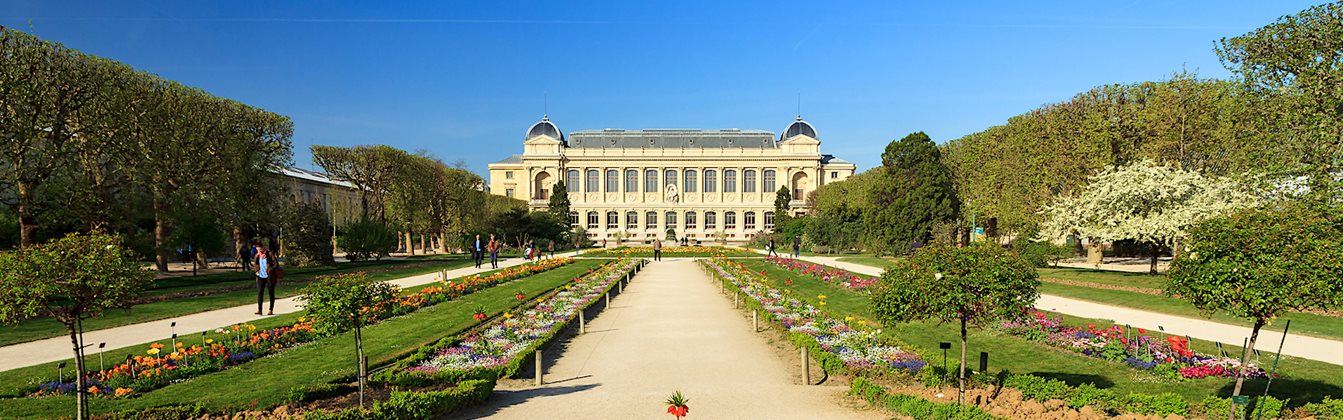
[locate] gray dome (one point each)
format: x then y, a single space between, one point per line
801 128
545 128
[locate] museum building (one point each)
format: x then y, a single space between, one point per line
636 185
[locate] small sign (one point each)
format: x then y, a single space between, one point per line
1240 399
979 231
944 345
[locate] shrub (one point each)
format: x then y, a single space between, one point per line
1037 388
415 404
1041 253
1088 395
366 239
176 412
912 406
307 236
1162 404
1330 408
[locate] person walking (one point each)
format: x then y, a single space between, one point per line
265 267
493 247
477 251
657 249
551 248
773 249
245 257
797 246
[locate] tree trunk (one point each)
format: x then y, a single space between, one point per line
1156 255
160 234
80 409
27 222
238 243
443 241
961 395
1245 360
410 243
424 246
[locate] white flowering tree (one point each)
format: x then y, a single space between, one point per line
1146 202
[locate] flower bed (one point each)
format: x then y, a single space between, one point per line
671 251
825 273
843 346
501 346
1168 357
241 343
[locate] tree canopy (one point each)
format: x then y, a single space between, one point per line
913 193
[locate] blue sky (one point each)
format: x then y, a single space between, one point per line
465 80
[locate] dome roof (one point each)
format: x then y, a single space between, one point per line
545 128
799 127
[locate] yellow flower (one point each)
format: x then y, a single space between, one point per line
862 322
848 318
821 297
209 341
507 315
823 303
152 351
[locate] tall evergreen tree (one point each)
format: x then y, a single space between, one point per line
559 201
914 193
782 204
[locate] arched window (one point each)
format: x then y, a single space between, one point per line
729 180
690 220
671 219
573 218
770 186
710 181
651 220
572 181
690 180
669 177
710 220
748 220
612 220
748 181
631 180
631 220
769 220
612 180
730 220
651 180
592 181
593 220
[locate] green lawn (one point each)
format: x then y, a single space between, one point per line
266 382
1304 380
38 329
869 260
1112 278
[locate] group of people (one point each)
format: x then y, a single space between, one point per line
531 252
479 248
797 247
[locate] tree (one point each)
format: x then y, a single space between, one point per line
366 239
1259 264
371 169
915 194
70 279
348 301
200 236
1146 202
307 236
972 285
782 206
559 200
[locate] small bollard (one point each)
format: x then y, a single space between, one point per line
806 367
755 320
608 299
582 322
538 368
720 287
734 300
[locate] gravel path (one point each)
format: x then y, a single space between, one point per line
58 348
1320 349
671 330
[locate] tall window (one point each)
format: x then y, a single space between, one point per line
769 220
592 181
730 220
612 220
710 181
631 180
572 181
631 220
729 181
690 220
612 180
573 218
769 181
669 177
748 220
671 219
651 220
651 180
690 180
710 220
593 220
748 181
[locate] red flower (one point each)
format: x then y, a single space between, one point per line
1142 331
1091 326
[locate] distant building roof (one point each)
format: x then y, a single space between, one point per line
313 176
831 160
799 128
511 159
545 128
673 138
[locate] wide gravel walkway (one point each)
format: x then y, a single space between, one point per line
1324 350
58 348
671 330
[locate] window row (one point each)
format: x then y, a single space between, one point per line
593 181
692 219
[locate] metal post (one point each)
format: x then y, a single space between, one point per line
608 299
100 355
806 367
755 320
538 368
582 322
1260 411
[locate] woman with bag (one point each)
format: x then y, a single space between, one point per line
268 274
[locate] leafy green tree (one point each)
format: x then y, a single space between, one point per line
1259 264
307 236
366 239
783 206
559 200
201 237
346 302
70 279
915 194
1146 202
972 285
372 170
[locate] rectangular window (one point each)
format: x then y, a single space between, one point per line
710 181
572 179
631 220
690 220
612 181
650 220
748 181
669 178
729 181
748 220
834 174
769 181
710 220
631 181
593 220
651 180
508 174
769 220
592 181
573 219
671 219
612 220
508 192
690 180
730 220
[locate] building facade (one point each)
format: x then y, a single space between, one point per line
636 185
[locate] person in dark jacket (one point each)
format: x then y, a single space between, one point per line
797 246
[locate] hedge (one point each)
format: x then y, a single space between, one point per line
415 404
915 407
